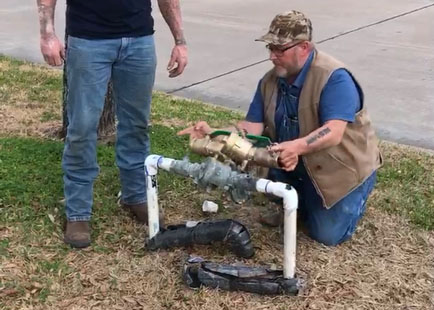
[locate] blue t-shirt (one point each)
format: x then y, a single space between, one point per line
340 100
109 19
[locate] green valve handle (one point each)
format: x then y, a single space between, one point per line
259 141
220 133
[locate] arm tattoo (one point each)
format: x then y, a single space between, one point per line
171 12
317 136
46 16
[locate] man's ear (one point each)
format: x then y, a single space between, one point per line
305 45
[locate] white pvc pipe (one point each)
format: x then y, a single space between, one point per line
152 163
290 204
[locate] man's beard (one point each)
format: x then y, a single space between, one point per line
281 72
285 72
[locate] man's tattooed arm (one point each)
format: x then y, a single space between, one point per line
46 17
313 138
328 135
51 48
171 12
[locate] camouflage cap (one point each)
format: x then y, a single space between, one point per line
288 27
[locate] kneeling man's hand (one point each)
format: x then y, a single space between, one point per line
288 154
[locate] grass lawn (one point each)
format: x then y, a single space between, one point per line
387 265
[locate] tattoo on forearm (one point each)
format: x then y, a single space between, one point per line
46 16
319 135
171 12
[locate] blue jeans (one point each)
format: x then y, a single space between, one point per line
328 226
130 63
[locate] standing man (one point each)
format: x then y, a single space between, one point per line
107 39
313 108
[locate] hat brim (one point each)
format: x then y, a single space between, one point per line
271 38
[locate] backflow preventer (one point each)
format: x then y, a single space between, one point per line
214 173
237 152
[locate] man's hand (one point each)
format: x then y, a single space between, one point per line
289 152
52 50
178 60
172 15
198 131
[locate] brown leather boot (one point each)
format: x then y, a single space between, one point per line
140 212
77 234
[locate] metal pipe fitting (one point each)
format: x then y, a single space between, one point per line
235 148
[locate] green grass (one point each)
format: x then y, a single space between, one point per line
31 177
4 245
26 165
27 83
406 186
165 107
49 116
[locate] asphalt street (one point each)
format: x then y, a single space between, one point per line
387 44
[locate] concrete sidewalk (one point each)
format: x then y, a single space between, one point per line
394 60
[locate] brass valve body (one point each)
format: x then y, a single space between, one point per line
235 148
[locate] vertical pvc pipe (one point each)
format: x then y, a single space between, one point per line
152 163
151 169
290 204
290 200
152 194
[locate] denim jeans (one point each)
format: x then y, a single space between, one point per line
130 63
328 226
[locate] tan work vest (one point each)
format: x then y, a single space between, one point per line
337 170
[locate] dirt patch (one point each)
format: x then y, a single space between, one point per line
25 120
4 65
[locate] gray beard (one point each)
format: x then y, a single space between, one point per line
281 72
284 73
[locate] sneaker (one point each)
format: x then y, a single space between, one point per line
77 234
